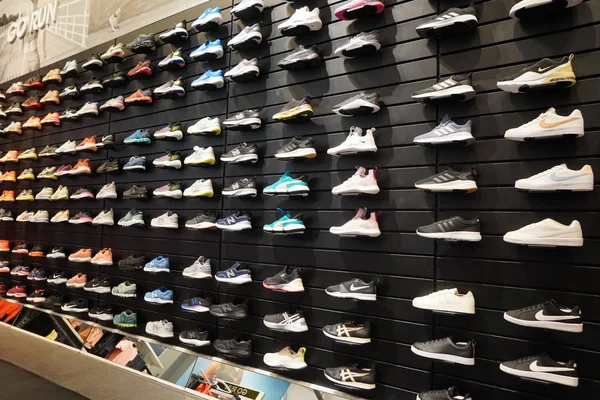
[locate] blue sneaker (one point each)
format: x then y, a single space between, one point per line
159 296
159 264
37 275
234 274
210 80
289 185
210 50
209 20
135 163
286 225
139 136
197 304
235 222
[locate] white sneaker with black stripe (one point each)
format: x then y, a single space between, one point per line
286 322
453 21
455 88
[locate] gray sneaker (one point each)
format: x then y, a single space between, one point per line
363 44
132 218
302 57
446 132
361 104
125 289
135 163
200 269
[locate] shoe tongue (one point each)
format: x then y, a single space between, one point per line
361 212
355 130
361 171
445 120
551 110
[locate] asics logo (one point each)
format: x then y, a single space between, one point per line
355 288
536 368
546 125
558 178
540 316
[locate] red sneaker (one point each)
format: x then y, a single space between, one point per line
141 70
17 291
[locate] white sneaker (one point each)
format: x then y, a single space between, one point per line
45 194
40 217
359 183
200 269
162 328
559 178
66 147
302 22
114 104
205 125
25 216
166 220
60 216
69 67
286 358
201 155
113 20
245 70
104 218
114 51
108 191
202 187
246 5
547 233
90 108
356 142
549 125
447 300
360 225
248 36
62 193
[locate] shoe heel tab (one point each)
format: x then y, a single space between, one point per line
571 57
588 170
575 224
373 171
576 113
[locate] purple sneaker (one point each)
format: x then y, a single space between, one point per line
171 189
82 217
171 131
235 222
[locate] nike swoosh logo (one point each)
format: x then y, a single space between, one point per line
544 124
545 69
558 178
536 368
540 316
354 288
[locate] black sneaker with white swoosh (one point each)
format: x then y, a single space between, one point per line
543 368
352 376
548 315
354 289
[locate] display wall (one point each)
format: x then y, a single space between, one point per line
502 276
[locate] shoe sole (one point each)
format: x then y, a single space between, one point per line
349 340
444 357
356 296
534 9
546 242
362 10
467 186
453 236
542 376
298 153
552 325
458 93
285 328
194 342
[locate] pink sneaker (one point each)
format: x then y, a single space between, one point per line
355 9
63 170
83 193
77 281
359 225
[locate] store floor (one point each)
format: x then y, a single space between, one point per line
24 385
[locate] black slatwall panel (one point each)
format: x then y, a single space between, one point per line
502 276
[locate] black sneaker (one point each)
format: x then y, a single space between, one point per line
197 337
37 296
352 376
241 187
176 34
298 147
53 301
244 121
362 103
57 252
446 349
446 394
108 141
286 322
233 347
132 262
115 80
144 43
70 92
452 229
548 315
92 63
354 289
301 57
238 309
98 285
48 151
295 110
349 332
451 22
58 278
241 153
111 165
70 114
455 88
449 180
204 220
103 313
136 192
543 368
287 280
76 306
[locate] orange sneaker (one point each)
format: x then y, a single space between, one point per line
89 143
51 119
139 97
82 167
4 245
50 97
77 281
33 123
9 176
103 257
53 76
81 255
8 195
10 156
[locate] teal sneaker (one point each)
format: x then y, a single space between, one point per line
126 319
288 185
140 136
286 225
125 289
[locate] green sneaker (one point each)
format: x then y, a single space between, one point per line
132 218
126 319
125 289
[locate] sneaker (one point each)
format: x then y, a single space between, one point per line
364 44
114 81
115 104
452 229
98 285
547 233
210 80
159 264
142 70
19 291
247 38
352 376
4 265
547 315
287 184
53 76
14 109
243 152
287 280
115 53
56 252
200 269
446 350
8 195
176 34
108 191
301 22
89 143
10 156
76 306
244 71
234 274
298 147
360 225
41 216
102 313
14 127
449 23
57 278
161 328
534 9
37 296
205 126
25 195
47 173
77 281
93 62
447 300
549 125
69 92
295 109
81 256
244 121
286 322
139 97
64 170
209 20
286 358
132 218
159 296
48 151
5 216
204 220
455 88
32 123
21 270
355 9
449 180
233 347
286 224
105 217
124 289
349 332
201 155
236 310
545 74
235 222
70 114
354 289
247 9
37 274
135 163
543 368
82 167
170 89
108 141
559 178
33 102
144 43
126 319
171 131
88 109
60 216
173 61
196 337
109 166
447 132
70 69
82 217
363 103
169 160
67 147
9 176
132 262
51 119
166 220
16 89
26 174
141 136
34 82
362 182
136 192
241 187
210 50
200 188
172 190
103 257
302 57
